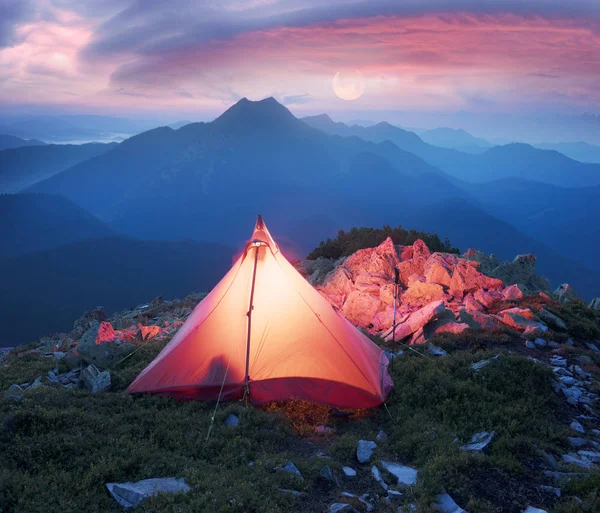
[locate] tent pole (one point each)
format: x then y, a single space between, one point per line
249 314
396 281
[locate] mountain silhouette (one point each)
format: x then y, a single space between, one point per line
22 167
10 141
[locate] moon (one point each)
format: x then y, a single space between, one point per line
348 85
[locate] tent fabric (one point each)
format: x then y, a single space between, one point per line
263 316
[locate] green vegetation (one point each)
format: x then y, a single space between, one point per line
347 243
61 447
583 322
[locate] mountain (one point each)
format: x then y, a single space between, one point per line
581 151
511 160
455 139
43 292
10 141
35 222
22 167
256 157
75 128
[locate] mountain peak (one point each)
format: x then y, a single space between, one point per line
256 114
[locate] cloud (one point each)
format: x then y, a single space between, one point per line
12 14
297 99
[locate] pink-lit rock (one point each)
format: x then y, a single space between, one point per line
148 332
360 307
521 319
435 272
420 249
106 333
417 320
375 261
512 293
420 294
472 304
337 286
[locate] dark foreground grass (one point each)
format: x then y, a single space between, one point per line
59 447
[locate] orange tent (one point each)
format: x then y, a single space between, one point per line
266 332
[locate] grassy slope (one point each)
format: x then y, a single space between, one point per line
61 447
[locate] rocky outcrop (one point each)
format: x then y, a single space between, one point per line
595 303
565 294
437 292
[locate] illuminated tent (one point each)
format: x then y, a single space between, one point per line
265 332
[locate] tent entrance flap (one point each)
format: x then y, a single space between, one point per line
249 314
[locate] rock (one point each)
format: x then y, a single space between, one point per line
531 509
540 342
349 471
130 495
337 507
82 324
529 344
324 429
522 319
593 347
521 271
417 320
291 468
149 332
232 421
512 293
576 426
105 333
480 442
482 363
394 495
575 459
584 360
577 442
92 379
36 384
572 394
590 455
552 490
15 388
360 307
565 294
445 504
406 476
295 493
420 294
552 319
381 436
101 354
437 273
436 351
327 476
365 450
595 303
377 476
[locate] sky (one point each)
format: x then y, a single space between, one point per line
191 59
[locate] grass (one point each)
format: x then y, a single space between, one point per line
61 447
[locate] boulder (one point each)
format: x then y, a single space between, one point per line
349 471
595 303
565 294
552 319
92 379
365 450
437 273
445 504
486 298
417 320
378 261
420 294
361 307
101 354
409 269
377 476
486 263
130 495
521 271
148 332
531 509
480 442
406 476
522 319
512 293
576 426
337 286
232 421
105 333
420 249
291 469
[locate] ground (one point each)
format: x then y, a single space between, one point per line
60 447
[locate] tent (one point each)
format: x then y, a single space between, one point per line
266 334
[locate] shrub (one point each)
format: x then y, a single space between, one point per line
347 243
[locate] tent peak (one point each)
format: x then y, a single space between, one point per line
261 234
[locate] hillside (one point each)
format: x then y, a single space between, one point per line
115 272
581 151
10 141
22 167
511 160
34 222
490 420
455 139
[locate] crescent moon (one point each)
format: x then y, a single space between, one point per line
348 85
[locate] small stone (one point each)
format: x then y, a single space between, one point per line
482 363
377 476
381 436
394 495
232 421
590 455
540 342
336 507
531 509
295 493
436 351
349 471
575 459
577 442
15 388
576 426
406 476
36 384
365 449
445 504
93 380
529 344
479 442
551 489
327 475
593 347
291 468
568 380
584 359
129 495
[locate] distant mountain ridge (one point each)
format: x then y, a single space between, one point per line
10 141
457 139
22 167
581 151
511 160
